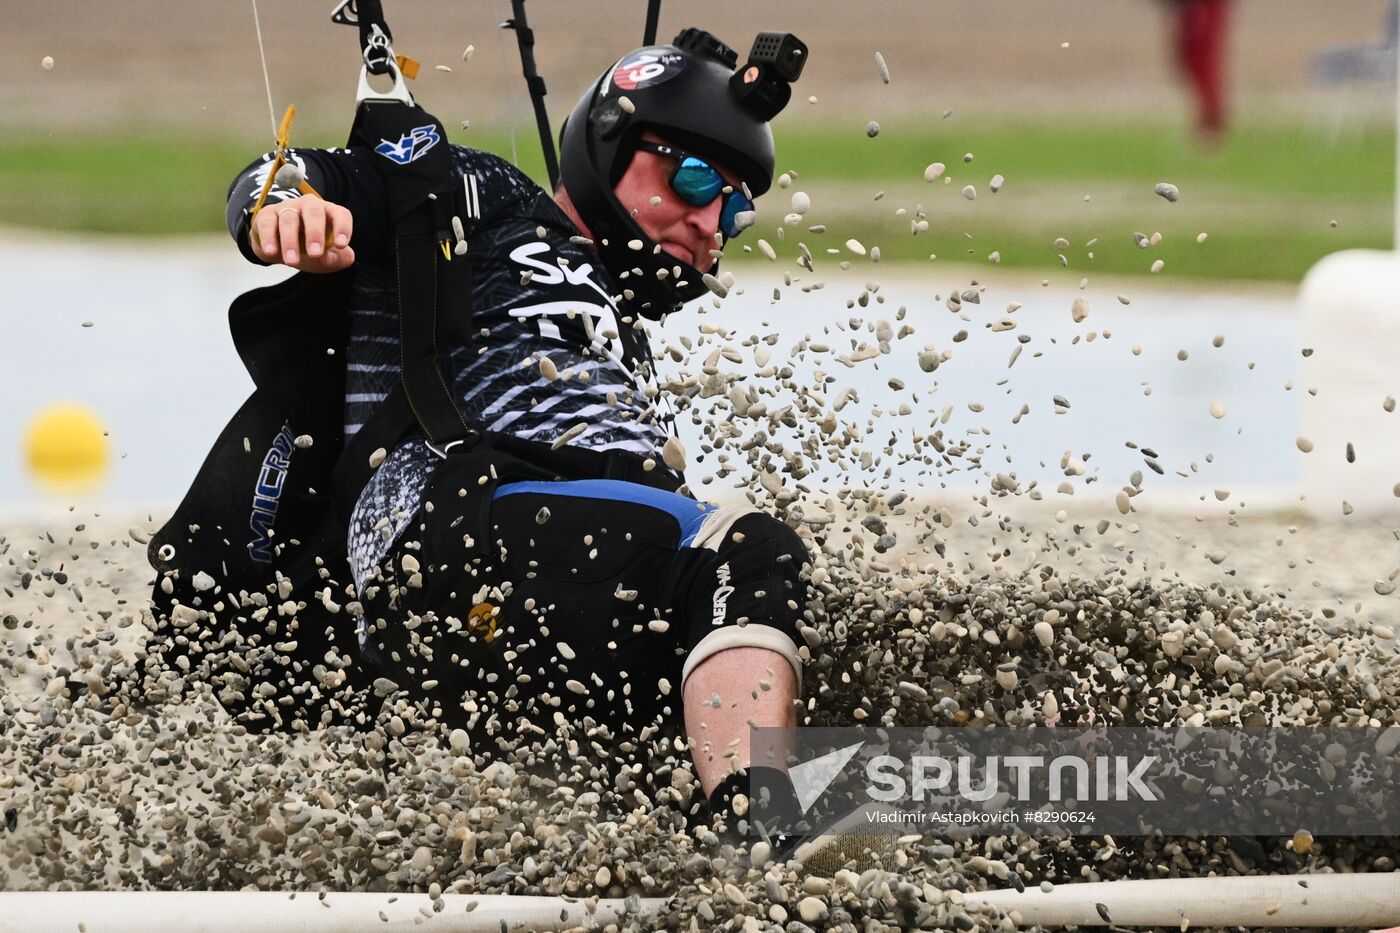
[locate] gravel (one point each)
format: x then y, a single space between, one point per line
104 789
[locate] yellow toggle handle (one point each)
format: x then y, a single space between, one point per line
284 134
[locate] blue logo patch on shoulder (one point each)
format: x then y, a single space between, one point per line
410 146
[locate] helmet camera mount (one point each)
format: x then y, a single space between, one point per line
764 84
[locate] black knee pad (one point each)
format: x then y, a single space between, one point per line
751 592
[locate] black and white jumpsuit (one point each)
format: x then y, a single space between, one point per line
599 597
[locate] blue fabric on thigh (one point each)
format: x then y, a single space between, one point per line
688 513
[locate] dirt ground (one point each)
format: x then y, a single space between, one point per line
195 66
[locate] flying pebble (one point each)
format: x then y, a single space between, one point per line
289 176
1217 410
934 171
872 129
673 454
969 192
46 63
997 182
716 286
573 432
884 69
1168 191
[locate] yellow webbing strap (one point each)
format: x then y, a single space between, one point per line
284 133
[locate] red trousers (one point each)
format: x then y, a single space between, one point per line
1200 54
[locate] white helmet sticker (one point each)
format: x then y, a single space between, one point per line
645 68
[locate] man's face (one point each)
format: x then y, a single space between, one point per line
685 232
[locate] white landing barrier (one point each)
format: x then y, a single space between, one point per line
1350 304
1354 900
1358 900
241 911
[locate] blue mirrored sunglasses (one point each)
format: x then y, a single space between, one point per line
698 183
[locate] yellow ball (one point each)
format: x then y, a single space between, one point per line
66 446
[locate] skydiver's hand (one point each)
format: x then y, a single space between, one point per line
307 233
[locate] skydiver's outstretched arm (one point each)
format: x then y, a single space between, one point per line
305 232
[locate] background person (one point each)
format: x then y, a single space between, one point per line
1200 31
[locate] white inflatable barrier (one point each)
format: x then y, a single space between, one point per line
1358 900
1355 900
1350 303
241 911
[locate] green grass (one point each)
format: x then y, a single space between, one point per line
1249 254
116 184
1265 197
139 184
1272 161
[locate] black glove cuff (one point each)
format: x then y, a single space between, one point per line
739 783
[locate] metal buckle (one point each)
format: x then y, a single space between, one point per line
442 451
379 58
346 13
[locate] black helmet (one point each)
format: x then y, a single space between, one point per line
688 93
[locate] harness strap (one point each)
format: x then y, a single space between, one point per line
425 291
426 206
369 15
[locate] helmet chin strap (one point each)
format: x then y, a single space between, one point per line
647 274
